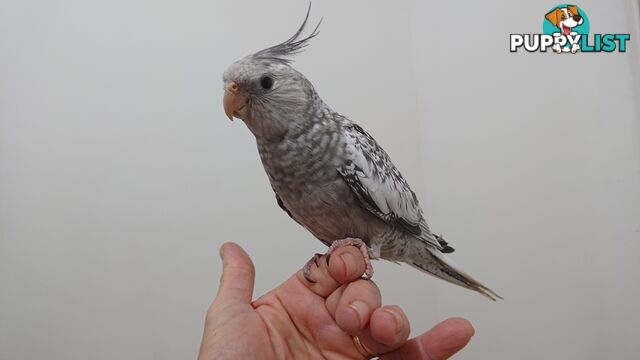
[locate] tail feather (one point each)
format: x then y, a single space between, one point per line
439 265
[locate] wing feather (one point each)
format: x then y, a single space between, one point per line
381 188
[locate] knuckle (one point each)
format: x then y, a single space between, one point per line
241 270
366 285
365 289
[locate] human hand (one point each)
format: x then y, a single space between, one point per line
304 320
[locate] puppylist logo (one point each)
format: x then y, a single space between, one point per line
566 30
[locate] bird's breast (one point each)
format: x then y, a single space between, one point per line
325 209
301 164
303 171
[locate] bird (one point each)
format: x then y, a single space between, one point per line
328 173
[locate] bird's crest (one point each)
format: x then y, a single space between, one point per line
292 46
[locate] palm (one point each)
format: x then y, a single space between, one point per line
305 327
300 319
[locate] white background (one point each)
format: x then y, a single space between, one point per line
120 176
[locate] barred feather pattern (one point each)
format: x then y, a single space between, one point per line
328 173
380 185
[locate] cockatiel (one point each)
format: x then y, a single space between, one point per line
328 173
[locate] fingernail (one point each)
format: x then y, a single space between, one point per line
362 310
397 318
349 260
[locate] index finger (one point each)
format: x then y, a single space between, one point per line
345 265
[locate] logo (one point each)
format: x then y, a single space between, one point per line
565 29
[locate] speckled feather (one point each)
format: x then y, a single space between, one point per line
328 173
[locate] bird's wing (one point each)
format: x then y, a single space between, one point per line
380 187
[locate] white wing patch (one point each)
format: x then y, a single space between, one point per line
380 186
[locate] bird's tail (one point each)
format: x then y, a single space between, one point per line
439 265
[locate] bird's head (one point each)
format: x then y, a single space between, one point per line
264 91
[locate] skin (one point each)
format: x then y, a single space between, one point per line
304 320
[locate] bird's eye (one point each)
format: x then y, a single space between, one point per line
266 82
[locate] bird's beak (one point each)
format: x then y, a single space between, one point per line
233 100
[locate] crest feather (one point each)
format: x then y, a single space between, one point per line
291 46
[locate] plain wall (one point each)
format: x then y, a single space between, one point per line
120 175
533 171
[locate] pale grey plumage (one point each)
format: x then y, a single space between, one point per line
329 174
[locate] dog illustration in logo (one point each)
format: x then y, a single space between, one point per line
565 19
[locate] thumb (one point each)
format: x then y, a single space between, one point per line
238 275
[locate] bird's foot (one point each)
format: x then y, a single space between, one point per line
306 270
366 253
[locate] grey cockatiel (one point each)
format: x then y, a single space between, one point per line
328 173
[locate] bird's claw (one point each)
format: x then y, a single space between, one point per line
306 270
